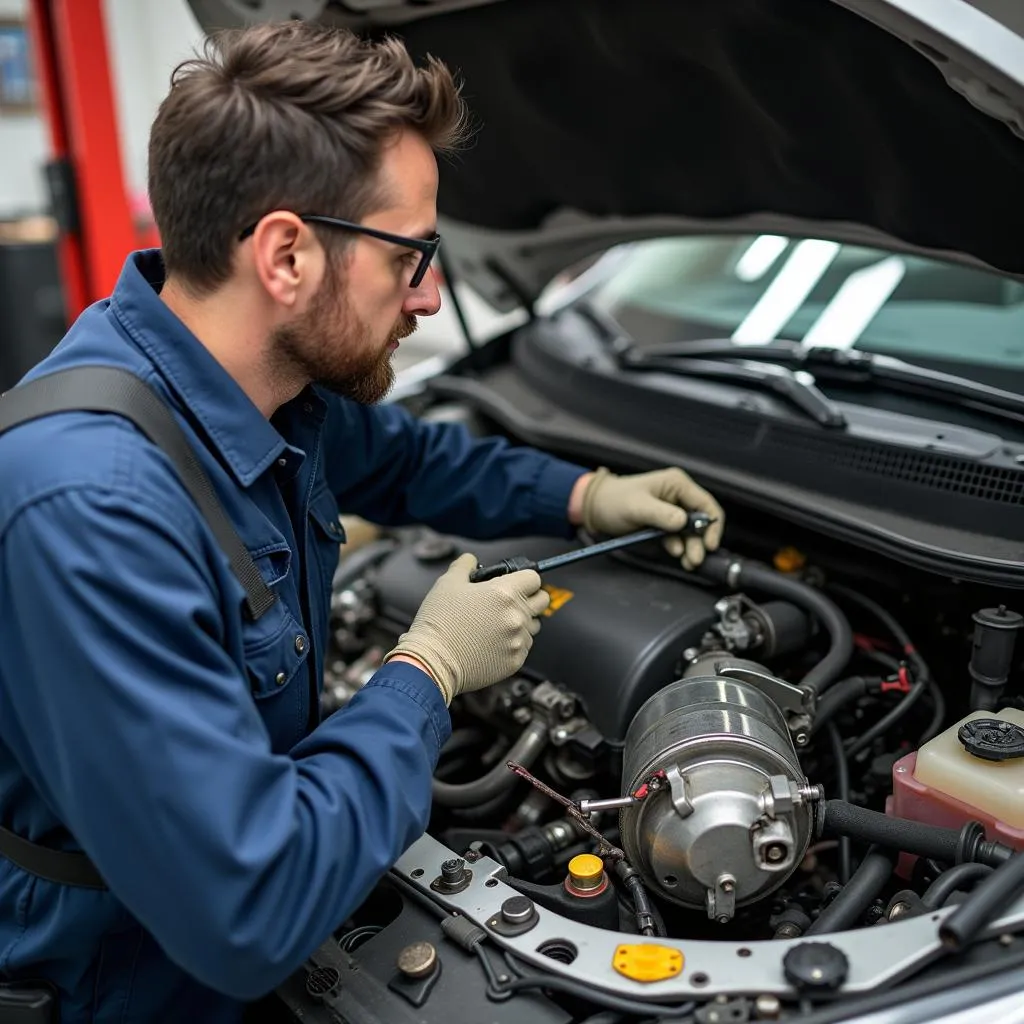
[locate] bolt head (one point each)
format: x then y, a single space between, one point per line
898 910
452 870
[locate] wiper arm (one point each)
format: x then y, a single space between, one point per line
772 377
848 366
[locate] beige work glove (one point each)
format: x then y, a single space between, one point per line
471 635
620 504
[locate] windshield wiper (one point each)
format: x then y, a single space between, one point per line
839 366
772 377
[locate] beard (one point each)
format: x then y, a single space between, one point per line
329 345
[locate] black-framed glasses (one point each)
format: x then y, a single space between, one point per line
426 247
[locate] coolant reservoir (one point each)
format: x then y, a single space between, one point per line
972 771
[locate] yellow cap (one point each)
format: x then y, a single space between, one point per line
586 870
647 961
789 560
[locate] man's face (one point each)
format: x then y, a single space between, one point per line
346 337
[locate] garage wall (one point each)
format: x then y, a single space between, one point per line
22 149
146 39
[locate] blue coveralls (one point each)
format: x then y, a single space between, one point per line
143 714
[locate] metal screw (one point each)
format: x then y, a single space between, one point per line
775 852
728 885
787 931
801 739
452 871
768 1007
898 910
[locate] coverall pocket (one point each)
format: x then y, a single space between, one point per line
328 535
274 651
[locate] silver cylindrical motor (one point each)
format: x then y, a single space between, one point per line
735 818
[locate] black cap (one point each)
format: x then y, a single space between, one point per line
992 739
815 967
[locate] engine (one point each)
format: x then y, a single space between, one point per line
715 755
735 817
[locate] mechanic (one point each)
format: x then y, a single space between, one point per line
145 718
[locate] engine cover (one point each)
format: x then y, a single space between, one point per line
613 635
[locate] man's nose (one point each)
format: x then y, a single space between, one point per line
424 300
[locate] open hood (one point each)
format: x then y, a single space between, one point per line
895 123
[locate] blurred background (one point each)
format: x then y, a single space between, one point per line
111 91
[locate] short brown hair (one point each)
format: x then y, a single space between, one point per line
285 115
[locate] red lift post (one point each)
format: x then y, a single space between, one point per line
86 173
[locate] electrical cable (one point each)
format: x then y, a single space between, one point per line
499 991
938 713
889 719
922 675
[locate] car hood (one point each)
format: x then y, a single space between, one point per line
894 123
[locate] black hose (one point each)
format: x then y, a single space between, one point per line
938 713
867 883
642 909
948 845
734 572
919 669
990 898
889 719
570 986
352 566
525 751
951 880
843 789
839 695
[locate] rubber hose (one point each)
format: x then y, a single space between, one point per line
723 568
991 897
352 566
951 880
837 818
865 885
525 750
838 696
843 788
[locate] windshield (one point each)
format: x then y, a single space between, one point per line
756 288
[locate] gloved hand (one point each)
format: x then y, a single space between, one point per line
471 635
620 504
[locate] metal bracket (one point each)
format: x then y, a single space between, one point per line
678 789
877 956
796 703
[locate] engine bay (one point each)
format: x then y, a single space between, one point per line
739 791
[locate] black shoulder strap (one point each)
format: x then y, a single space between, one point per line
109 389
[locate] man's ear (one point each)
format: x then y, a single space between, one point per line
287 256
